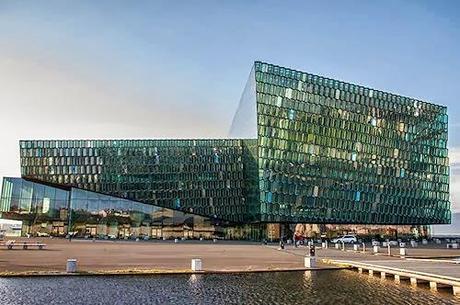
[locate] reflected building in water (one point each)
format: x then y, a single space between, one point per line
303 149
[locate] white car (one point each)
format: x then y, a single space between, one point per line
346 239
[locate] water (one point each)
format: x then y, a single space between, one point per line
278 288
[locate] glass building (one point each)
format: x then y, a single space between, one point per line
49 210
335 152
203 177
303 149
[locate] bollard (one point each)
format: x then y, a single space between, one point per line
201 238
281 245
413 243
355 247
323 245
197 264
327 245
389 250
337 246
176 240
309 262
376 249
402 251
364 247
312 250
214 240
71 266
343 246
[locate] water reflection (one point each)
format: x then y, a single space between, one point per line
307 275
282 288
194 280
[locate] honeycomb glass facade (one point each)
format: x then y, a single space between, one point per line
334 152
303 149
203 177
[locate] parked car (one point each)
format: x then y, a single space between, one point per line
347 239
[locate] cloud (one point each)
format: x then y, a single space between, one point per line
454 160
41 99
454 157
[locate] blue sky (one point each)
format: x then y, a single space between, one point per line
148 69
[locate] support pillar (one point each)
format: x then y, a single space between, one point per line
456 290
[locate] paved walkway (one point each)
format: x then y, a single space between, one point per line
383 254
431 251
439 269
149 255
436 271
223 256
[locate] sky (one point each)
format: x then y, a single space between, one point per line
176 69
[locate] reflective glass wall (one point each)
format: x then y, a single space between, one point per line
203 177
44 211
334 152
99 215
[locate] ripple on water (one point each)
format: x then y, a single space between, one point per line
278 288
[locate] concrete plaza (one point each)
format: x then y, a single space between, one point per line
148 255
156 256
